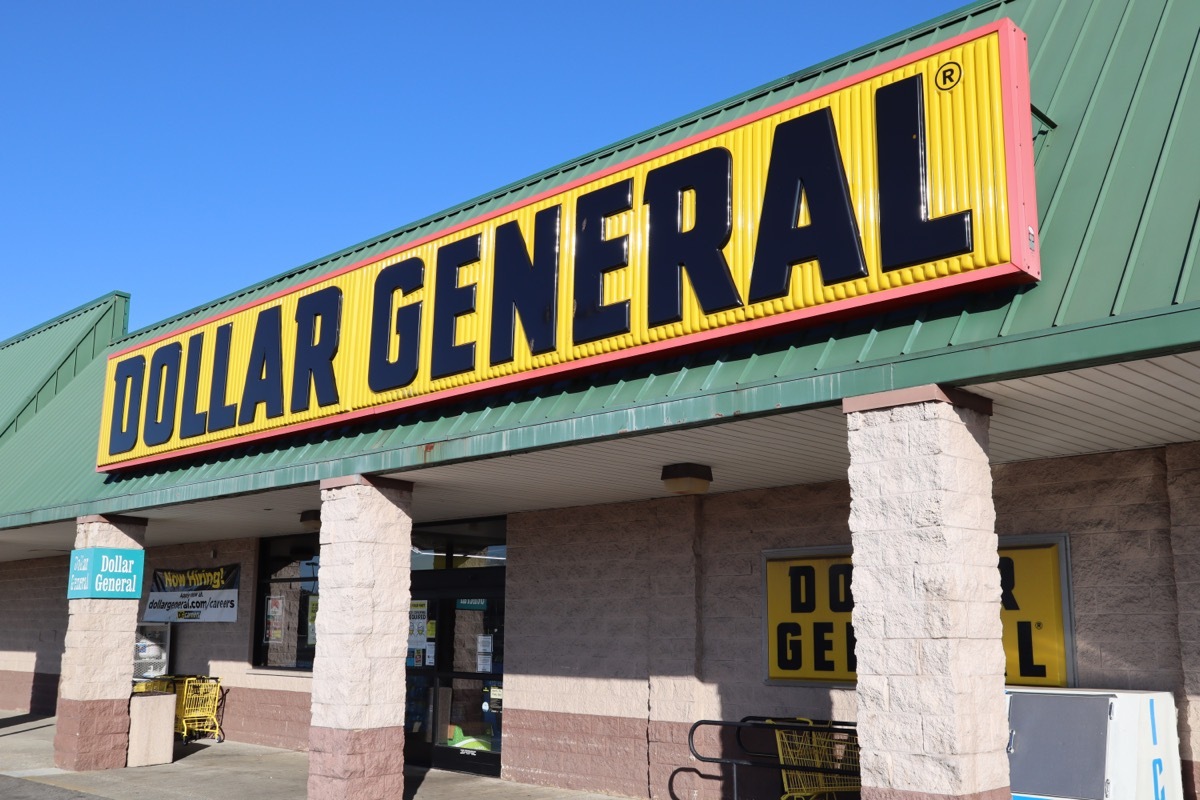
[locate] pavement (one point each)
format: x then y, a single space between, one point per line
206 770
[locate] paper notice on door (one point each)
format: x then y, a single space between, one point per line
483 662
485 644
418 618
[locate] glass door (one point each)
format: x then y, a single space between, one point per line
455 670
470 685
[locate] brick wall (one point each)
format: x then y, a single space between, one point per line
31 638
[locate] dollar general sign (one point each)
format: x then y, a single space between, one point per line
907 181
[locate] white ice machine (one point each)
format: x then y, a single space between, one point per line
1091 744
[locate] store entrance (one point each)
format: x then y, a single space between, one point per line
455 667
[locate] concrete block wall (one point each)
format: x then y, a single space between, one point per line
738 527
31 638
582 599
927 601
628 622
1116 509
262 708
92 731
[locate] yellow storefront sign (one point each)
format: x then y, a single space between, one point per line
911 179
810 633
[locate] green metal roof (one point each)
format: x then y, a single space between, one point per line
48 357
1118 194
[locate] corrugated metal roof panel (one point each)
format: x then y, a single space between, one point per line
40 362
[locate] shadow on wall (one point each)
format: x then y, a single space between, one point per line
52 635
43 692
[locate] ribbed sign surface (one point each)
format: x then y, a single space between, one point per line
908 180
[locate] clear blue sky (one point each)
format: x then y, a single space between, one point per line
182 150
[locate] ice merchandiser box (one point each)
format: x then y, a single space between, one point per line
151 650
1092 744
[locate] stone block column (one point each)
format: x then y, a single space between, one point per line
97 662
931 711
1183 492
356 742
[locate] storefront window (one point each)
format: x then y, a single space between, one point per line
458 545
287 600
431 556
492 555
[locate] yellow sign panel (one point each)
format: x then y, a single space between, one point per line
809 632
912 178
1035 643
810 635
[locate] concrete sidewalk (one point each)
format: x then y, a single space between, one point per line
208 771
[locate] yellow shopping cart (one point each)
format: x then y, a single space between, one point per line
197 700
817 759
826 761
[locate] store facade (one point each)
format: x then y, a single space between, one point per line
502 491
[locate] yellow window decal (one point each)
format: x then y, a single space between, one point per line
810 630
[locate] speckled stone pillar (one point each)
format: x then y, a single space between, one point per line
1183 494
931 711
97 663
356 742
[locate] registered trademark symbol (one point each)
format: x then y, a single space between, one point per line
1037 625
948 75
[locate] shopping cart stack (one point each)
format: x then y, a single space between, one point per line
826 761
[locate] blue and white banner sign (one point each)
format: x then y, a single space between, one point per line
106 572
